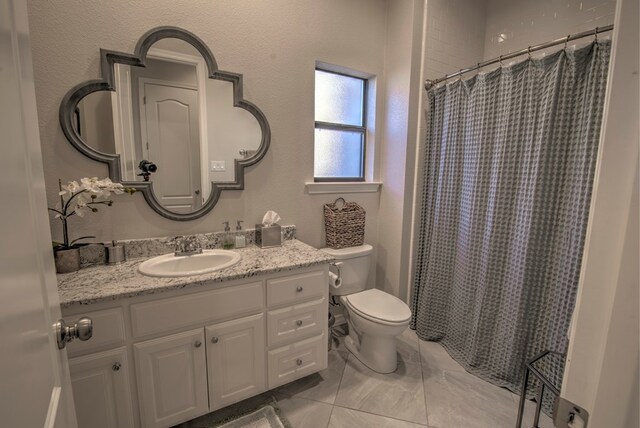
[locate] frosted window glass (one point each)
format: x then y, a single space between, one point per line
339 99
338 154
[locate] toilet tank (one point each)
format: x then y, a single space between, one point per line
354 268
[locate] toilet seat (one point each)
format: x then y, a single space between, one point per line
378 306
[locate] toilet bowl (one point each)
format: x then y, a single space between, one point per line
375 318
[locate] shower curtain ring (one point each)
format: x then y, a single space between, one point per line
500 60
595 34
529 52
566 41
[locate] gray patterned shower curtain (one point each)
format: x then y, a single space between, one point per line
508 170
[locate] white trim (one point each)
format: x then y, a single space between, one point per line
316 188
122 112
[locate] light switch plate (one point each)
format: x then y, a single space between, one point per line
218 166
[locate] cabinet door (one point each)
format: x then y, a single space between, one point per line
102 389
236 360
172 378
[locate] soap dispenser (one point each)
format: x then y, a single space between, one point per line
241 241
227 238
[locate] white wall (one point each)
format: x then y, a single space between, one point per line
601 374
455 35
274 43
526 23
402 68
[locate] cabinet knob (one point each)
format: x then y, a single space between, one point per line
299 323
299 362
115 367
214 339
299 288
197 344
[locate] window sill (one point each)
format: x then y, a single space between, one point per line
316 188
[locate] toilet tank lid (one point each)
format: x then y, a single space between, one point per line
378 304
349 252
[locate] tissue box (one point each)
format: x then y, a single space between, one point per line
268 236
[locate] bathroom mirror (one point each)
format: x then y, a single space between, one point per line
168 123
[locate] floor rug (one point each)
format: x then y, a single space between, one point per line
264 417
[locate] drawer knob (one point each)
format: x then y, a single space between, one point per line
197 344
299 323
299 288
214 339
115 367
299 362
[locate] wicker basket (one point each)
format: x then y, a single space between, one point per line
344 224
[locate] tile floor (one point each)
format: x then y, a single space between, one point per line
429 389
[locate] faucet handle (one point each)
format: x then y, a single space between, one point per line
239 225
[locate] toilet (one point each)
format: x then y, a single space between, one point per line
375 318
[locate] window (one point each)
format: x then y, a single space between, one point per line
340 132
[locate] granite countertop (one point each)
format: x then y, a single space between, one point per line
110 282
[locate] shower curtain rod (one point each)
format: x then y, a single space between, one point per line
428 84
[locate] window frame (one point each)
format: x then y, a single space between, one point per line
348 128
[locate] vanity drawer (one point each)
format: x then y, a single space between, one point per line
295 322
173 313
297 360
296 288
108 331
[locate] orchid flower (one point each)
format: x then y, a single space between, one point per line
80 198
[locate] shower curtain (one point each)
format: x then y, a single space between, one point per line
508 170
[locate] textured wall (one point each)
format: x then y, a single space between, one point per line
526 23
273 43
402 74
455 35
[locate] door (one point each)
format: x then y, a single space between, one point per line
236 360
173 144
102 389
172 378
36 390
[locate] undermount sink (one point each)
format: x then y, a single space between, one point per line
170 265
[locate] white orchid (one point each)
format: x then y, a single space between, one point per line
80 198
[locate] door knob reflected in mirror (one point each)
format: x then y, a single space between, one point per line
82 330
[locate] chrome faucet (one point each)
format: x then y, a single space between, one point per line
187 246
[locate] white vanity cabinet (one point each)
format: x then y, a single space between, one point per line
235 359
184 353
101 390
172 378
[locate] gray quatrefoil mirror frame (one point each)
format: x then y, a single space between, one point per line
108 59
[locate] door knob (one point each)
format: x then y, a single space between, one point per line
197 344
115 367
214 339
82 330
197 192
299 323
299 288
299 362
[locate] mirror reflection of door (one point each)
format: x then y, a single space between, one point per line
113 122
171 139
